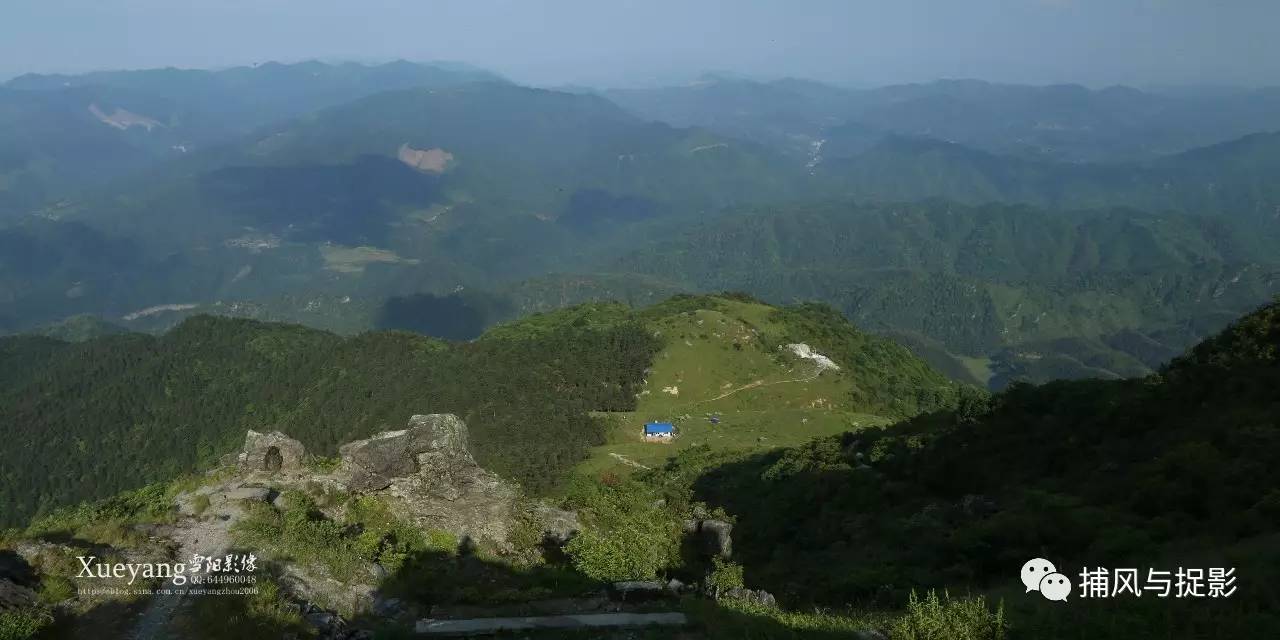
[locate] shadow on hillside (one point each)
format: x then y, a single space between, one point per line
466 585
455 316
108 620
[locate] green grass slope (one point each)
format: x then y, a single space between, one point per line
726 357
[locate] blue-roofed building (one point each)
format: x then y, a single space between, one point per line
663 431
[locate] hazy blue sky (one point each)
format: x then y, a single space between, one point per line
615 42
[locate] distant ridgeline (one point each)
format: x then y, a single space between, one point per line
119 411
348 198
1044 294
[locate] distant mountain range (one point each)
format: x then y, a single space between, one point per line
1057 122
63 132
350 197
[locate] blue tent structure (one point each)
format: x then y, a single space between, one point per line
659 429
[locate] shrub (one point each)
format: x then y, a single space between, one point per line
20 624
630 537
934 618
725 576
200 504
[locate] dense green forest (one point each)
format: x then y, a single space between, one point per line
1046 294
124 410
1176 469
307 213
129 409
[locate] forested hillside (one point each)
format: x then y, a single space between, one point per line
443 200
128 409
1176 469
120 411
1231 178
1129 288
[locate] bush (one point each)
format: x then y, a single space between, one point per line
630 537
725 576
200 504
20 624
934 618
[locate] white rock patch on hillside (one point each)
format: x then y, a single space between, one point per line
805 352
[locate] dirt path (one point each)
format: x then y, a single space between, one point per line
754 385
628 461
208 535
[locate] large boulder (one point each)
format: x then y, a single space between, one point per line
558 526
434 444
271 452
16 580
714 536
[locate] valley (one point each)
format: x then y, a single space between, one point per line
388 349
275 223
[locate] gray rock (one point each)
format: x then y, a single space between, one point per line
252 494
434 444
15 596
870 634
558 525
718 535
756 596
323 620
271 452
715 535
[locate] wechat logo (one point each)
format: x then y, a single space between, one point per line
1040 575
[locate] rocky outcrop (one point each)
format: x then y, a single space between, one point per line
16 581
805 352
715 536
558 526
754 596
271 452
435 445
426 474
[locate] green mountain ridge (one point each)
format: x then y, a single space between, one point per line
1228 179
131 409
977 280
526 194
1177 468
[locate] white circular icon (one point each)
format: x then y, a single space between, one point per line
1034 570
1055 586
